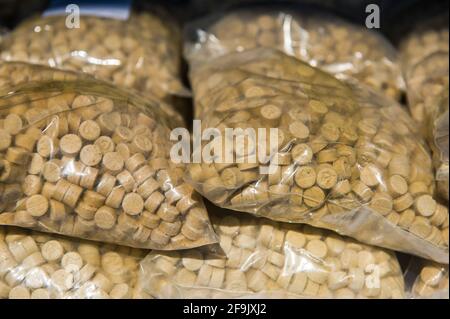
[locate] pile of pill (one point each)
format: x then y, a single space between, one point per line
322 40
40 266
338 150
141 53
266 259
82 159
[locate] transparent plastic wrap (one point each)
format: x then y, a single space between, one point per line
35 265
427 279
86 159
264 259
142 53
322 40
427 83
424 54
429 37
14 73
344 158
438 136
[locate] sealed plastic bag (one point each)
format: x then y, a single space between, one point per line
320 39
85 159
426 279
438 131
273 260
427 83
35 265
425 56
427 38
142 52
342 158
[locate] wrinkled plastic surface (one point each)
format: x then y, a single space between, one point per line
142 53
35 265
425 56
427 82
347 159
426 280
85 159
438 136
264 259
322 40
14 73
429 37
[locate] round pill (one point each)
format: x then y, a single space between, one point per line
132 204
70 144
113 162
90 155
313 197
425 205
305 177
89 130
52 250
105 218
326 178
37 205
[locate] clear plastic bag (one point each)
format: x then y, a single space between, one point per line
438 137
424 55
427 83
142 53
347 159
322 40
264 259
426 279
428 37
35 265
86 159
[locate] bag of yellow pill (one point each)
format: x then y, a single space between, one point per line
35 265
438 139
427 91
264 259
424 56
284 140
319 38
85 159
140 52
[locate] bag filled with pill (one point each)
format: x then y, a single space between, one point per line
424 57
141 53
305 147
86 159
36 265
438 136
436 128
265 259
425 279
314 36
